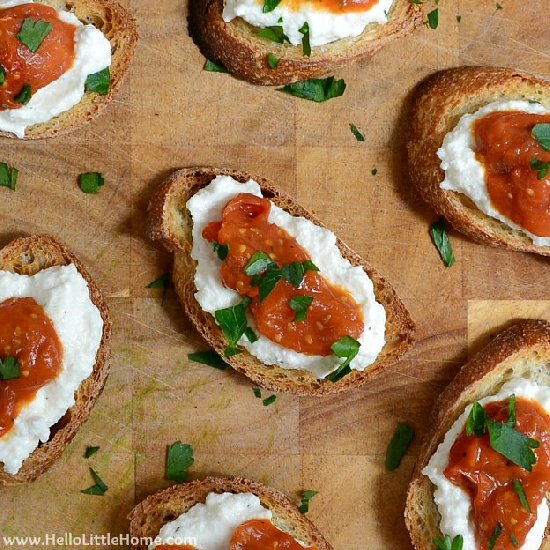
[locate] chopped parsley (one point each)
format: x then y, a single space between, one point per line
300 304
272 60
306 497
9 368
233 322
270 5
33 32
98 489
221 250
162 282
433 19
24 96
316 89
541 167
442 242
8 176
347 348
520 491
274 33
213 67
399 444
494 537
2 75
208 357
91 182
269 400
99 82
306 46
179 459
90 451
356 132
294 272
541 132
448 543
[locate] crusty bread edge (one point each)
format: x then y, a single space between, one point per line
122 33
165 218
151 514
236 45
28 255
527 342
439 103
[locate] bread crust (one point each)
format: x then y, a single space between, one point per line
237 46
147 518
523 350
170 224
439 103
119 27
27 256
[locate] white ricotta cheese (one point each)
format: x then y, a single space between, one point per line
211 525
92 54
324 26
454 503
65 297
207 205
465 174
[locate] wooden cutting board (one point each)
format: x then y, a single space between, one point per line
172 114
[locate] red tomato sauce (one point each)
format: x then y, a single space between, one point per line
488 477
261 534
22 66
505 146
335 6
333 314
27 334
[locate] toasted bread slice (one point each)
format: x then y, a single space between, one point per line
28 256
147 518
439 103
523 350
119 27
170 223
237 45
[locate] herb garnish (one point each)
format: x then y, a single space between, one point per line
498 6
447 543
374 171
233 322
269 400
274 33
433 19
8 176
208 357
214 67
222 250
316 89
520 491
399 444
257 393
496 533
9 368
514 540
306 497
272 60
458 18
442 242
347 347
541 132
162 282
90 451
2 75
268 281
258 263
251 336
356 132
511 411
99 82
179 459
33 32
24 96
294 272
306 46
98 489
300 305
542 167
270 5
91 182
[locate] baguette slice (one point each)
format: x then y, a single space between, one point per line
439 103
523 350
28 256
237 46
169 222
147 518
119 27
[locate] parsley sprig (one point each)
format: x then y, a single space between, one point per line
9 368
346 347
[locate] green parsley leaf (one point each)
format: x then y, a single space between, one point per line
316 89
300 305
2 75
222 250
374 171
233 322
458 18
274 33
33 32
447 543
8 176
99 82
542 167
520 491
294 272
512 411
270 5
269 400
257 393
98 489
251 336
306 497
306 46
9 368
417 2
476 420
213 67
179 459
162 282
433 19
357 133
90 451
541 132
400 442
24 95
208 357
268 281
499 6
442 242
272 61
347 347
496 533
258 263
91 182
514 540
